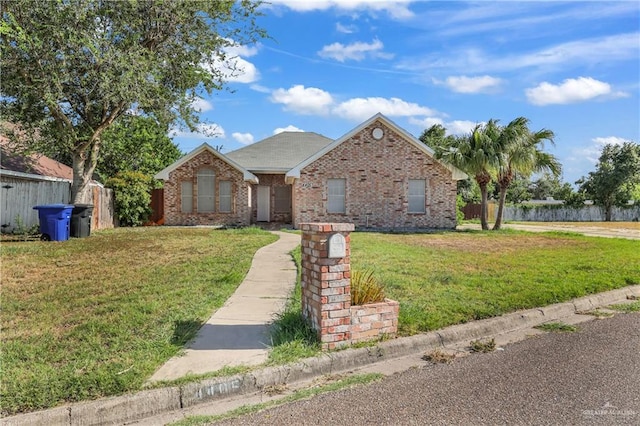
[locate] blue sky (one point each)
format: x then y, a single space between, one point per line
572 67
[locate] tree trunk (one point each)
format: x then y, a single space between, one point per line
483 180
84 164
483 206
607 213
503 198
80 186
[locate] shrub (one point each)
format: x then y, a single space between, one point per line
365 288
132 197
23 231
460 203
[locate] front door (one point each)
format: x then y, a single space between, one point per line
264 203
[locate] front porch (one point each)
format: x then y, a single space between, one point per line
271 201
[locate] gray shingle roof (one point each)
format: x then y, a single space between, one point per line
279 153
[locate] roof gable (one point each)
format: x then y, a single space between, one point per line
294 173
279 153
164 174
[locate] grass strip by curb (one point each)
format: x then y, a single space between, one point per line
557 327
626 307
347 382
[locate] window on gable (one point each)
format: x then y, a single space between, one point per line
336 195
282 199
225 196
186 197
417 198
206 190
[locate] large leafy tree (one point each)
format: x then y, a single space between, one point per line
521 154
70 69
477 155
548 185
616 176
136 144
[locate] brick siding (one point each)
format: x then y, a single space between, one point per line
239 215
377 174
374 320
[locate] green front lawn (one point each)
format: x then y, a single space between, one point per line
97 316
450 278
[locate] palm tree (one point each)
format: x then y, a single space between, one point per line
520 153
477 155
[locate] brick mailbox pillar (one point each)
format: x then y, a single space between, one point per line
326 272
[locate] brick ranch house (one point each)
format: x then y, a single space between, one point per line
376 176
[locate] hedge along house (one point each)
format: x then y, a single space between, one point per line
376 176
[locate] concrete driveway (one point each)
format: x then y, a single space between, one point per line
584 228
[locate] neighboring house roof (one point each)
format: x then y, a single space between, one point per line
279 153
164 174
31 166
294 173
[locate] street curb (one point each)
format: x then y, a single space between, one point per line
128 408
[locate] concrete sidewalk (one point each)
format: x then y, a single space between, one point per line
237 333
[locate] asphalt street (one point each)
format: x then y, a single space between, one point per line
590 377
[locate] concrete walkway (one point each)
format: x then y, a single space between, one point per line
237 333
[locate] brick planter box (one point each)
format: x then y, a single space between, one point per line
374 320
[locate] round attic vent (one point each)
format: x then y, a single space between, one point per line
377 133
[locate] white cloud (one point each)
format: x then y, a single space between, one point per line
234 68
260 88
594 50
591 51
584 158
396 9
205 131
314 101
303 100
363 108
504 17
460 127
571 90
455 127
239 70
346 29
610 140
289 128
355 51
241 50
201 105
243 138
480 84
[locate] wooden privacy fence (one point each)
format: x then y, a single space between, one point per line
157 207
472 211
19 196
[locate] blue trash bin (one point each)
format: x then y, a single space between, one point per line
54 221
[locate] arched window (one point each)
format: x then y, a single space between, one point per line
206 190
